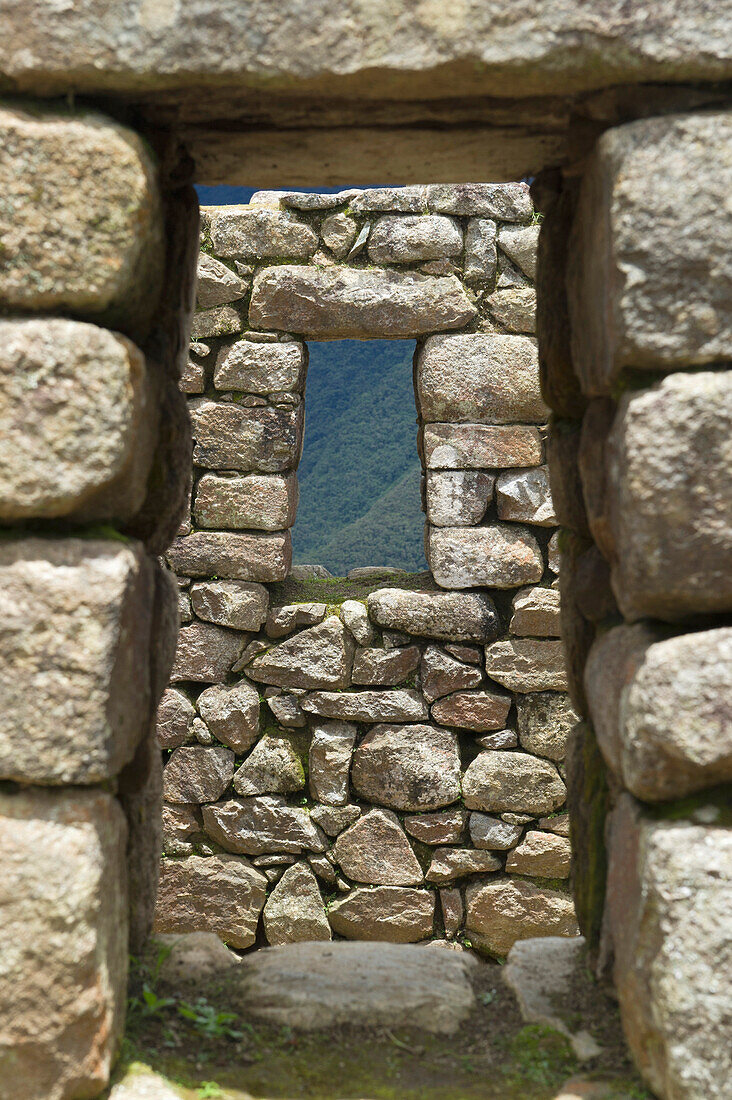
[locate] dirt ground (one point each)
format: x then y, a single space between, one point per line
198 1035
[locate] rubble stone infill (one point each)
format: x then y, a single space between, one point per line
367 758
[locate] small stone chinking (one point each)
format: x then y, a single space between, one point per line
384 765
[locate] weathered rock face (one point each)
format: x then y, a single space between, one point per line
197 773
217 284
514 782
348 303
542 854
375 850
501 912
457 498
472 710
479 378
55 374
257 233
393 914
255 826
260 368
64 922
266 503
233 555
222 894
525 497
329 761
230 436
94 248
660 709
294 911
536 613
403 705
408 767
205 653
520 244
236 604
669 893
545 720
451 863
480 251
273 766
527 664
668 497
463 617
442 674
231 714
499 556
406 240
319 657
76 617
385 666
491 832
480 446
640 295
175 719
445 827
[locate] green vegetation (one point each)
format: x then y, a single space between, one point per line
359 474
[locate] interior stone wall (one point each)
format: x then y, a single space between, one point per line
383 757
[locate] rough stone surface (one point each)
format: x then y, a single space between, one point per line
525 496
452 616
64 925
514 308
358 984
357 303
445 827
660 709
92 247
472 710
385 666
334 819
479 378
180 824
527 664
225 320
266 503
283 620
457 498
272 767
668 459
329 761
512 782
197 773
480 250
141 1083
480 446
233 555
545 720
491 832
408 767
256 826
174 719
501 912
205 653
669 895
355 616
319 657
54 375
260 368
294 910
441 674
231 714
391 914
194 956
375 850
235 604
413 239
450 863
338 232
536 613
230 436
498 556
650 279
257 233
400 705
217 284
542 854
520 245
222 894
76 620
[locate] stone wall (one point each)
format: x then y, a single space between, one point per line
357 758
635 336
97 273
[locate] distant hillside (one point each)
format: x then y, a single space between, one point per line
359 474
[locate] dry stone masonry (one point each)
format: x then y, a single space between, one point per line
95 297
639 457
388 767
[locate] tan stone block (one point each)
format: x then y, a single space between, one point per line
233 555
252 233
222 894
63 906
229 436
480 446
257 501
542 854
499 556
501 912
390 914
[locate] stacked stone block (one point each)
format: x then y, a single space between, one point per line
389 767
91 321
640 468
